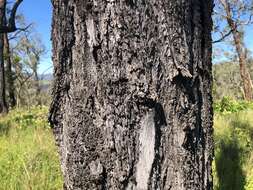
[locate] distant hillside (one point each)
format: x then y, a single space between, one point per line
48 77
46 82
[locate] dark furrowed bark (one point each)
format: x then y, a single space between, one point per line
9 74
132 106
3 104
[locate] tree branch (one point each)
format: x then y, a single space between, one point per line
19 30
12 19
223 37
11 27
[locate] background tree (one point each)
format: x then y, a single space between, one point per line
27 51
11 42
237 15
5 27
31 49
132 106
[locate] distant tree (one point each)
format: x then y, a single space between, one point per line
23 78
11 41
237 14
31 49
132 103
6 26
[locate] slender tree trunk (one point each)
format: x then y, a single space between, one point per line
3 104
241 52
245 75
9 74
37 86
132 105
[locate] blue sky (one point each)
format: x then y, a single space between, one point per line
249 37
226 46
40 13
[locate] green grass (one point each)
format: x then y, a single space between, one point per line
29 159
228 105
233 136
28 156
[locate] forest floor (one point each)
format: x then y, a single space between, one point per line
29 159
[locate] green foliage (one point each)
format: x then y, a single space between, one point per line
227 80
26 117
28 156
228 105
233 166
249 182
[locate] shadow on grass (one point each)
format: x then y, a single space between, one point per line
228 166
230 156
4 129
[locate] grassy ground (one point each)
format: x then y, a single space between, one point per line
233 166
28 156
29 160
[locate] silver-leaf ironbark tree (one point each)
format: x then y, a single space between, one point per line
132 104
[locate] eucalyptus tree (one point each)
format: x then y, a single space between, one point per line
6 26
237 14
29 50
132 104
11 42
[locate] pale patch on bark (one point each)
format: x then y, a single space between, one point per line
147 151
91 32
96 168
92 41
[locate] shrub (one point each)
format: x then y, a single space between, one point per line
228 105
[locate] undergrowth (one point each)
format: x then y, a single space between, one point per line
28 156
228 105
233 163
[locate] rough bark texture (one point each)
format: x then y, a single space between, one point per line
240 49
132 106
3 104
9 74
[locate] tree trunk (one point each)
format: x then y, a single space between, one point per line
3 104
132 105
9 74
245 75
37 86
241 53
